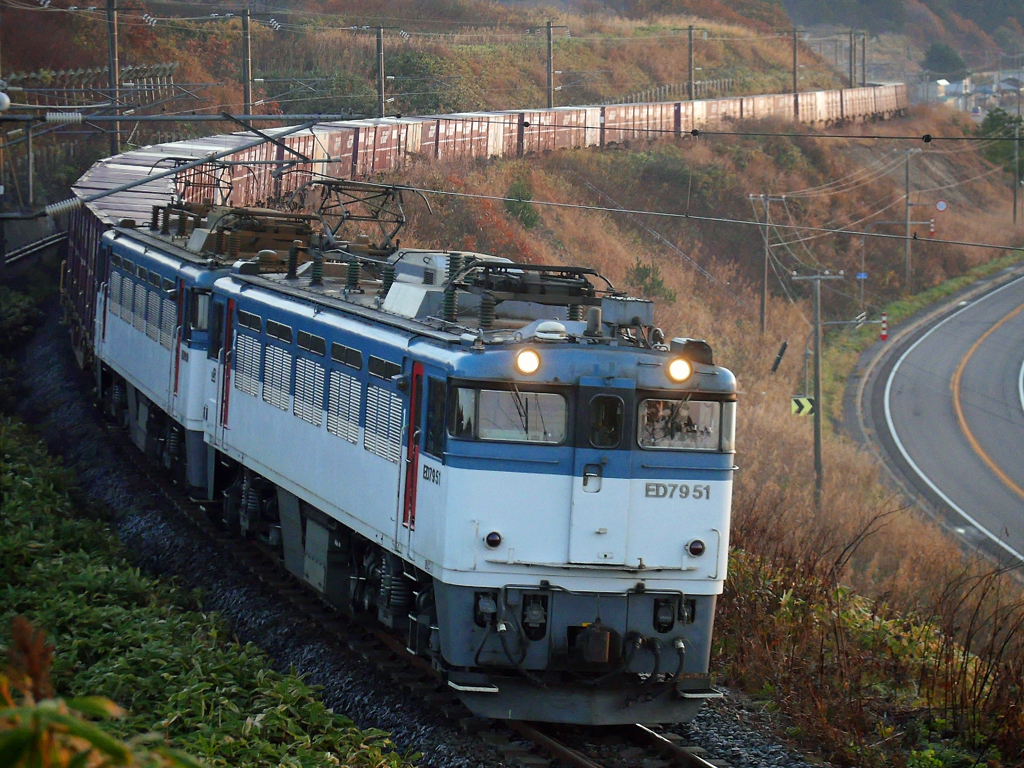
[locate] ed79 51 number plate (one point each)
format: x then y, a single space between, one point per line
677 491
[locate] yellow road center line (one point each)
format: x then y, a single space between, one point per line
954 384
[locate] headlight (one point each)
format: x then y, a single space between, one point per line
528 361
679 369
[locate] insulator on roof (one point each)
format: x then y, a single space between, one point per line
64 118
64 206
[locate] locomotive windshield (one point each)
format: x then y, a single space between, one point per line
679 425
508 416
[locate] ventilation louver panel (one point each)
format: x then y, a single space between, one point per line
309 391
114 294
127 298
140 308
344 398
247 364
383 435
153 322
277 371
168 317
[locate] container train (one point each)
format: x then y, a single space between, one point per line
507 464
248 173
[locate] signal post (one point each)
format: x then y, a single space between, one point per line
818 467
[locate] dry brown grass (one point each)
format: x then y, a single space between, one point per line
860 677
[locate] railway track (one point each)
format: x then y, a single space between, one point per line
524 744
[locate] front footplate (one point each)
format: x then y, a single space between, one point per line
628 701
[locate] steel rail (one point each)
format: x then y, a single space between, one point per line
684 756
555 748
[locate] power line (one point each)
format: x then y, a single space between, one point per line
711 219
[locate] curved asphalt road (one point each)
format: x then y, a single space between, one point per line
947 406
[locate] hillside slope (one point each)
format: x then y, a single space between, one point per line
977 27
704 276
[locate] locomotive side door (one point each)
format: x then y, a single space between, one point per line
412 456
421 525
214 408
599 517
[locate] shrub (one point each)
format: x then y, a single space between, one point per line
518 205
647 279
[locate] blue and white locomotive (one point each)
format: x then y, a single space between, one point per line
507 464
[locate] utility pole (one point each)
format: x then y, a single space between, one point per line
819 470
864 60
551 69
246 62
764 274
32 174
767 200
1017 166
692 71
1020 84
907 240
853 61
380 71
796 86
113 74
909 205
551 58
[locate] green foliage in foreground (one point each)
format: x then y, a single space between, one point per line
131 638
18 318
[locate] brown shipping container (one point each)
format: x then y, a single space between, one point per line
570 127
662 121
292 176
536 131
428 137
833 107
730 109
809 110
339 142
365 141
615 120
387 146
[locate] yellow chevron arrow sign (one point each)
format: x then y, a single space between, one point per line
802 406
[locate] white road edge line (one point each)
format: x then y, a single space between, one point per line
1020 385
899 443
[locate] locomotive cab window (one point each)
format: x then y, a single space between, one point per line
199 310
606 413
436 396
679 425
508 416
216 331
